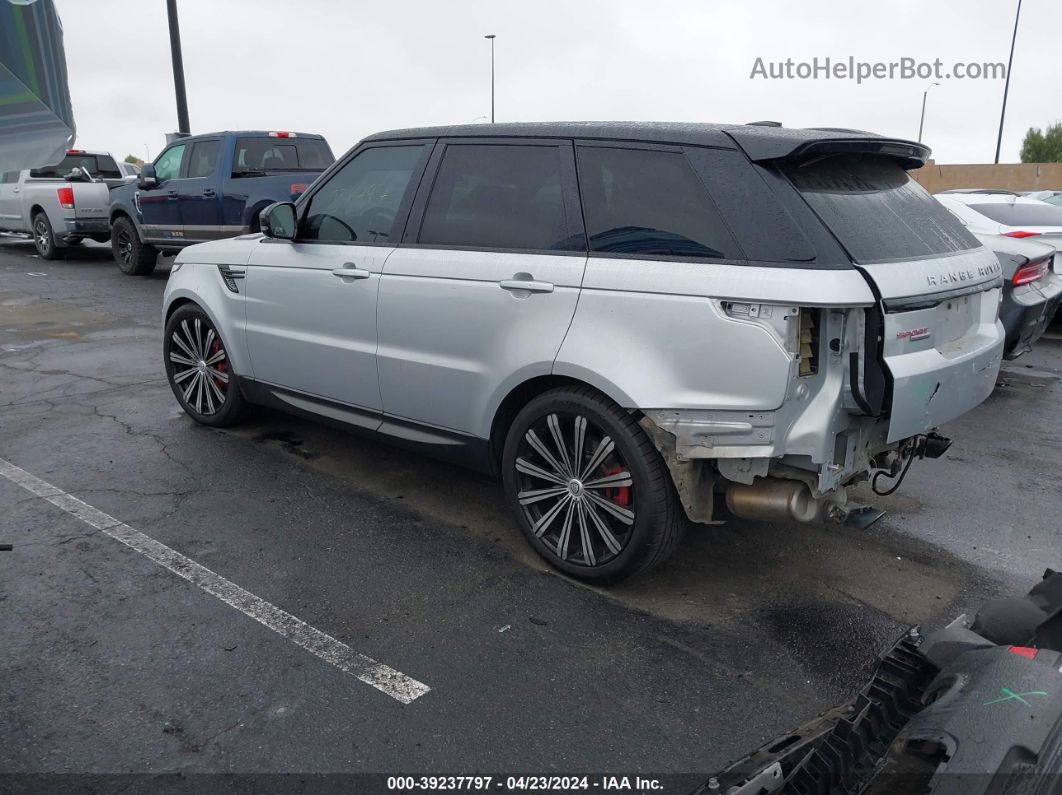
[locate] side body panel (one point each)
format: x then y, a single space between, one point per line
309 329
11 208
453 341
654 334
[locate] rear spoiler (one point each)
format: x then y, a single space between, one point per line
762 144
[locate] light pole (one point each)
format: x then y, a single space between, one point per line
922 120
491 37
178 69
1006 87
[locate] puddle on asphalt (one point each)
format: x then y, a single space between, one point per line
720 574
33 317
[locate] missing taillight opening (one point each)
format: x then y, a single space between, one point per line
809 342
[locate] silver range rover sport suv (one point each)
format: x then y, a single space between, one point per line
632 324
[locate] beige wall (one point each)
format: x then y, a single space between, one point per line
1005 176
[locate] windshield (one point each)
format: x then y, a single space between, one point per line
99 166
1021 214
274 155
876 209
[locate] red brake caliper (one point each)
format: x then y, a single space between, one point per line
221 367
621 495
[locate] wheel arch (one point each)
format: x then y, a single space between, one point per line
176 304
522 394
209 297
121 212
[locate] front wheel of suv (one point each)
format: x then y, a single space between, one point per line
591 493
198 368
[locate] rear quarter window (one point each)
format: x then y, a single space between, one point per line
765 229
876 209
650 203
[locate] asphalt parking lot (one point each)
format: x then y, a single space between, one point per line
112 663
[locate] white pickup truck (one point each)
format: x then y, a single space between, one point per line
62 204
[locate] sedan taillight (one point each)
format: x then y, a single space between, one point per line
1032 272
66 198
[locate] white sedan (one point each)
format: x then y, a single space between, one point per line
1004 213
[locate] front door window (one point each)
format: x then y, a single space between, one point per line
168 166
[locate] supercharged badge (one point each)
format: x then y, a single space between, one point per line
913 334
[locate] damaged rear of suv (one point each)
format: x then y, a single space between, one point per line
899 335
836 319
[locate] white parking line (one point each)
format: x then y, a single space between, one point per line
384 678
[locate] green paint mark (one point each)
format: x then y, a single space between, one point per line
1010 695
31 67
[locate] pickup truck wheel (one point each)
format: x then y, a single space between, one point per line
199 370
44 238
590 492
133 257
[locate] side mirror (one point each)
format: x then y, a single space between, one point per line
278 221
147 179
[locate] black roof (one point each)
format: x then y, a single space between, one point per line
757 141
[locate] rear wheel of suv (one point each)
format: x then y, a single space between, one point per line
133 257
591 493
198 369
44 238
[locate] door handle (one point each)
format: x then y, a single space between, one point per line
526 284
351 271
209 193
172 194
15 190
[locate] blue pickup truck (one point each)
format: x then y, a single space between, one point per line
207 187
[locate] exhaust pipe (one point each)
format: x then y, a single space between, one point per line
778 500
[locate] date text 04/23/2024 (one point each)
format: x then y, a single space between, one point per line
524 783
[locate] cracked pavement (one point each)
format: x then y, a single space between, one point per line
112 664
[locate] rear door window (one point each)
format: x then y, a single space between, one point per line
204 158
499 196
876 209
1020 214
647 202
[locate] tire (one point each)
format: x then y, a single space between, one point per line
210 395
630 524
44 238
132 256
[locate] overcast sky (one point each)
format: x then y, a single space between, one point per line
346 68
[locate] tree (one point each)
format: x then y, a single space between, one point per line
136 161
1043 147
